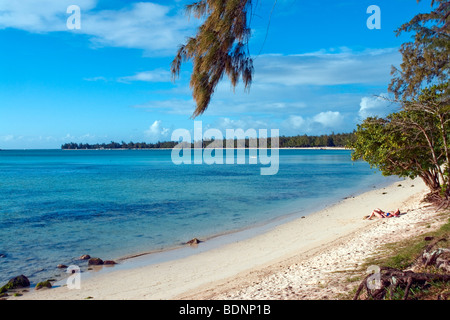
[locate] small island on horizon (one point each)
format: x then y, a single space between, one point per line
299 141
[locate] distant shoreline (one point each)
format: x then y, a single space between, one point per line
300 141
284 148
123 149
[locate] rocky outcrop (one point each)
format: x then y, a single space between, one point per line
43 284
16 283
194 241
95 262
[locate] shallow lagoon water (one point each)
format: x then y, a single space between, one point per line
56 205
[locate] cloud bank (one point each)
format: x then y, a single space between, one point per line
156 29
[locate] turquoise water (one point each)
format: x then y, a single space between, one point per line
56 205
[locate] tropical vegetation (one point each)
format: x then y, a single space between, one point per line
415 141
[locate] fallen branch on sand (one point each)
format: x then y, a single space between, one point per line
391 279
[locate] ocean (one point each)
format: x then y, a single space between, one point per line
56 205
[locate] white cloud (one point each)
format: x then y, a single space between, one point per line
322 68
157 132
155 28
7 138
38 15
286 85
143 25
45 141
329 119
170 106
243 123
158 75
295 122
83 138
96 79
235 103
321 123
375 106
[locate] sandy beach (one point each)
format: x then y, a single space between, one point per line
295 260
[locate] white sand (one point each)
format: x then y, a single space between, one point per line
296 260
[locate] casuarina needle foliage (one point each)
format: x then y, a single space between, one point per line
220 47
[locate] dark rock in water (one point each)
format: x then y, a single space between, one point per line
110 262
43 284
2 255
193 241
95 261
61 266
84 257
15 283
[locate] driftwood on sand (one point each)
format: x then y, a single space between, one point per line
383 284
390 279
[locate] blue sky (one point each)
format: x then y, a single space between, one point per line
318 69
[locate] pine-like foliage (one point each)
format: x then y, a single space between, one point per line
220 46
426 60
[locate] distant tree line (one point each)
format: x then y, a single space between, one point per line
116 145
305 141
300 141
